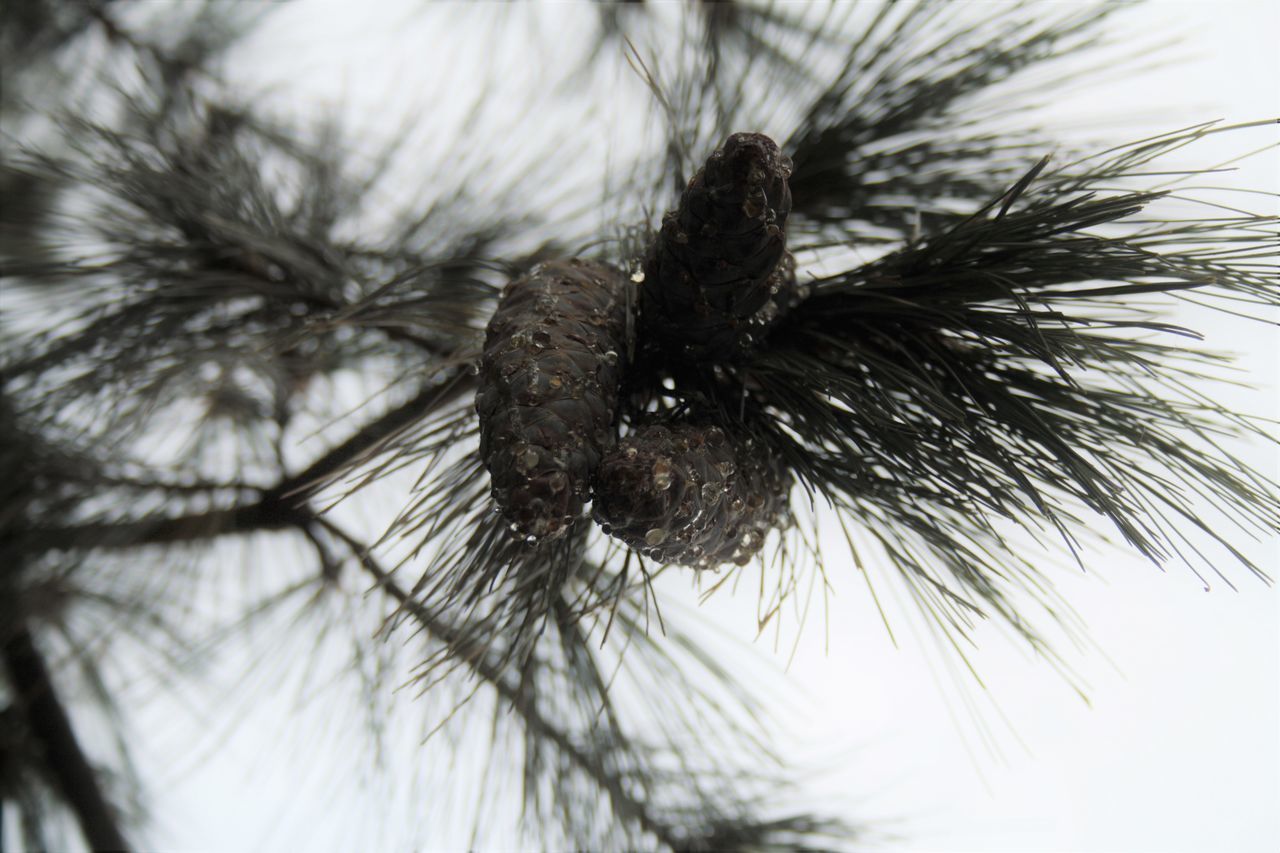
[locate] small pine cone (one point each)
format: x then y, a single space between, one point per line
687 494
553 362
718 274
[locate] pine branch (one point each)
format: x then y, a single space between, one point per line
476 658
990 374
36 697
975 378
692 819
278 508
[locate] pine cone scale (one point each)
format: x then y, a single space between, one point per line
712 272
689 494
550 375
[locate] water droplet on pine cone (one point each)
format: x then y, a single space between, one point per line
662 475
526 459
541 430
711 515
655 536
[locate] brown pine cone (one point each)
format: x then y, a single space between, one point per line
718 274
553 361
689 494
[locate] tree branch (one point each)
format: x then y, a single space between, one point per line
48 723
373 434
280 507
626 806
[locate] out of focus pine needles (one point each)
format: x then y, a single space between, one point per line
229 345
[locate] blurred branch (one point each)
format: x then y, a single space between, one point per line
46 719
625 806
256 267
278 508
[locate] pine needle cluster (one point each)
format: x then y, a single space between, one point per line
923 323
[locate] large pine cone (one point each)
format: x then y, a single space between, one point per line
553 361
718 274
689 494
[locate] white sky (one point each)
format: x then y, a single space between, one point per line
1180 749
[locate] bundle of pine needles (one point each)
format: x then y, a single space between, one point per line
947 337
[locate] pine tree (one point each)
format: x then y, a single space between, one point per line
834 277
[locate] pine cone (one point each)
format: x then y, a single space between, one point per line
553 361
688 494
718 274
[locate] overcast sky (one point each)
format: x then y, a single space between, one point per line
1179 749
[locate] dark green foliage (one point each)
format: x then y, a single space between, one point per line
182 268
590 783
908 127
691 494
224 287
717 274
990 374
554 357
